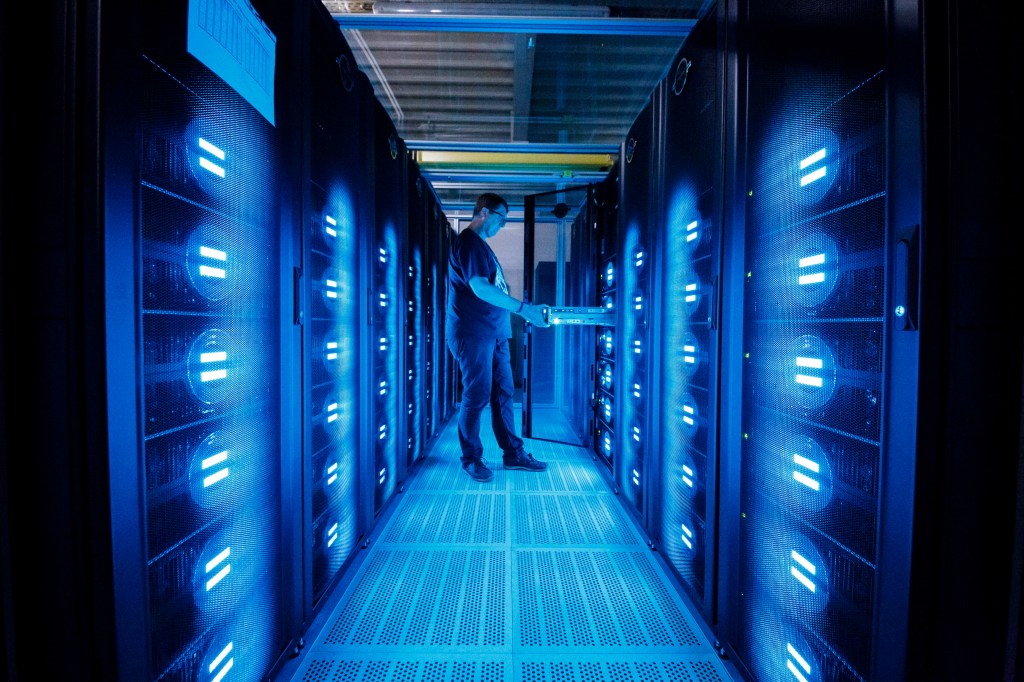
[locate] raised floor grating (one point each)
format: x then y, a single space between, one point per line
431 599
477 518
597 600
531 577
547 519
401 668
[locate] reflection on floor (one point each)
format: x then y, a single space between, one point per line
529 577
549 423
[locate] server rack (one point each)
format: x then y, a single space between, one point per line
450 376
418 369
331 307
814 250
385 292
638 181
683 522
581 290
438 368
606 379
200 260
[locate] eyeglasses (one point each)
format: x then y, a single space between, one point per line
503 216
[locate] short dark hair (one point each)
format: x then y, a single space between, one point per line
490 201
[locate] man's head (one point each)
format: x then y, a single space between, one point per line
489 214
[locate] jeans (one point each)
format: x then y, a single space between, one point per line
486 378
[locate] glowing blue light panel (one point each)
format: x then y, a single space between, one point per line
814 335
207 237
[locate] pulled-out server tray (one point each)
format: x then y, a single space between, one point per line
580 315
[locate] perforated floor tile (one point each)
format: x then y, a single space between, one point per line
398 668
552 519
596 600
479 518
531 577
666 668
448 599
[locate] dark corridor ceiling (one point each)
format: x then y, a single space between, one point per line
516 98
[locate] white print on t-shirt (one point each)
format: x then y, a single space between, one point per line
499 276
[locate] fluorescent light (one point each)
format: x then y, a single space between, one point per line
813 158
800 559
217 559
806 463
803 579
811 279
211 166
216 254
207 146
207 271
796 673
806 480
214 459
215 478
221 656
224 671
799 659
812 176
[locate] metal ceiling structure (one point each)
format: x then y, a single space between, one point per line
515 98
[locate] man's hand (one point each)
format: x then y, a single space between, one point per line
534 314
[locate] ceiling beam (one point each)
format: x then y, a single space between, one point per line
522 79
559 25
447 179
511 147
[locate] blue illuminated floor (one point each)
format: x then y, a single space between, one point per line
529 577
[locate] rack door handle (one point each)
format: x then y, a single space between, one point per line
905 282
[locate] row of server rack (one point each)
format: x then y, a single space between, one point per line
273 321
231 357
755 396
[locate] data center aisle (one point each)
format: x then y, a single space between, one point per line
529 577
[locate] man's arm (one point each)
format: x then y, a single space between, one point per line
488 292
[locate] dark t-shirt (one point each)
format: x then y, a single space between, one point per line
469 315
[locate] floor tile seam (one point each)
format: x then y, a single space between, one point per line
347 650
551 547
446 546
412 650
449 491
632 650
511 545
565 493
674 652
510 491
614 655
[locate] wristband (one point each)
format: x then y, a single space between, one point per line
521 305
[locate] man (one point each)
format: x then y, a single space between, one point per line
478 330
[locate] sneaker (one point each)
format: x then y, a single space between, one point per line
524 461
477 470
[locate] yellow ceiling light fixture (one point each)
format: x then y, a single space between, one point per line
537 162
